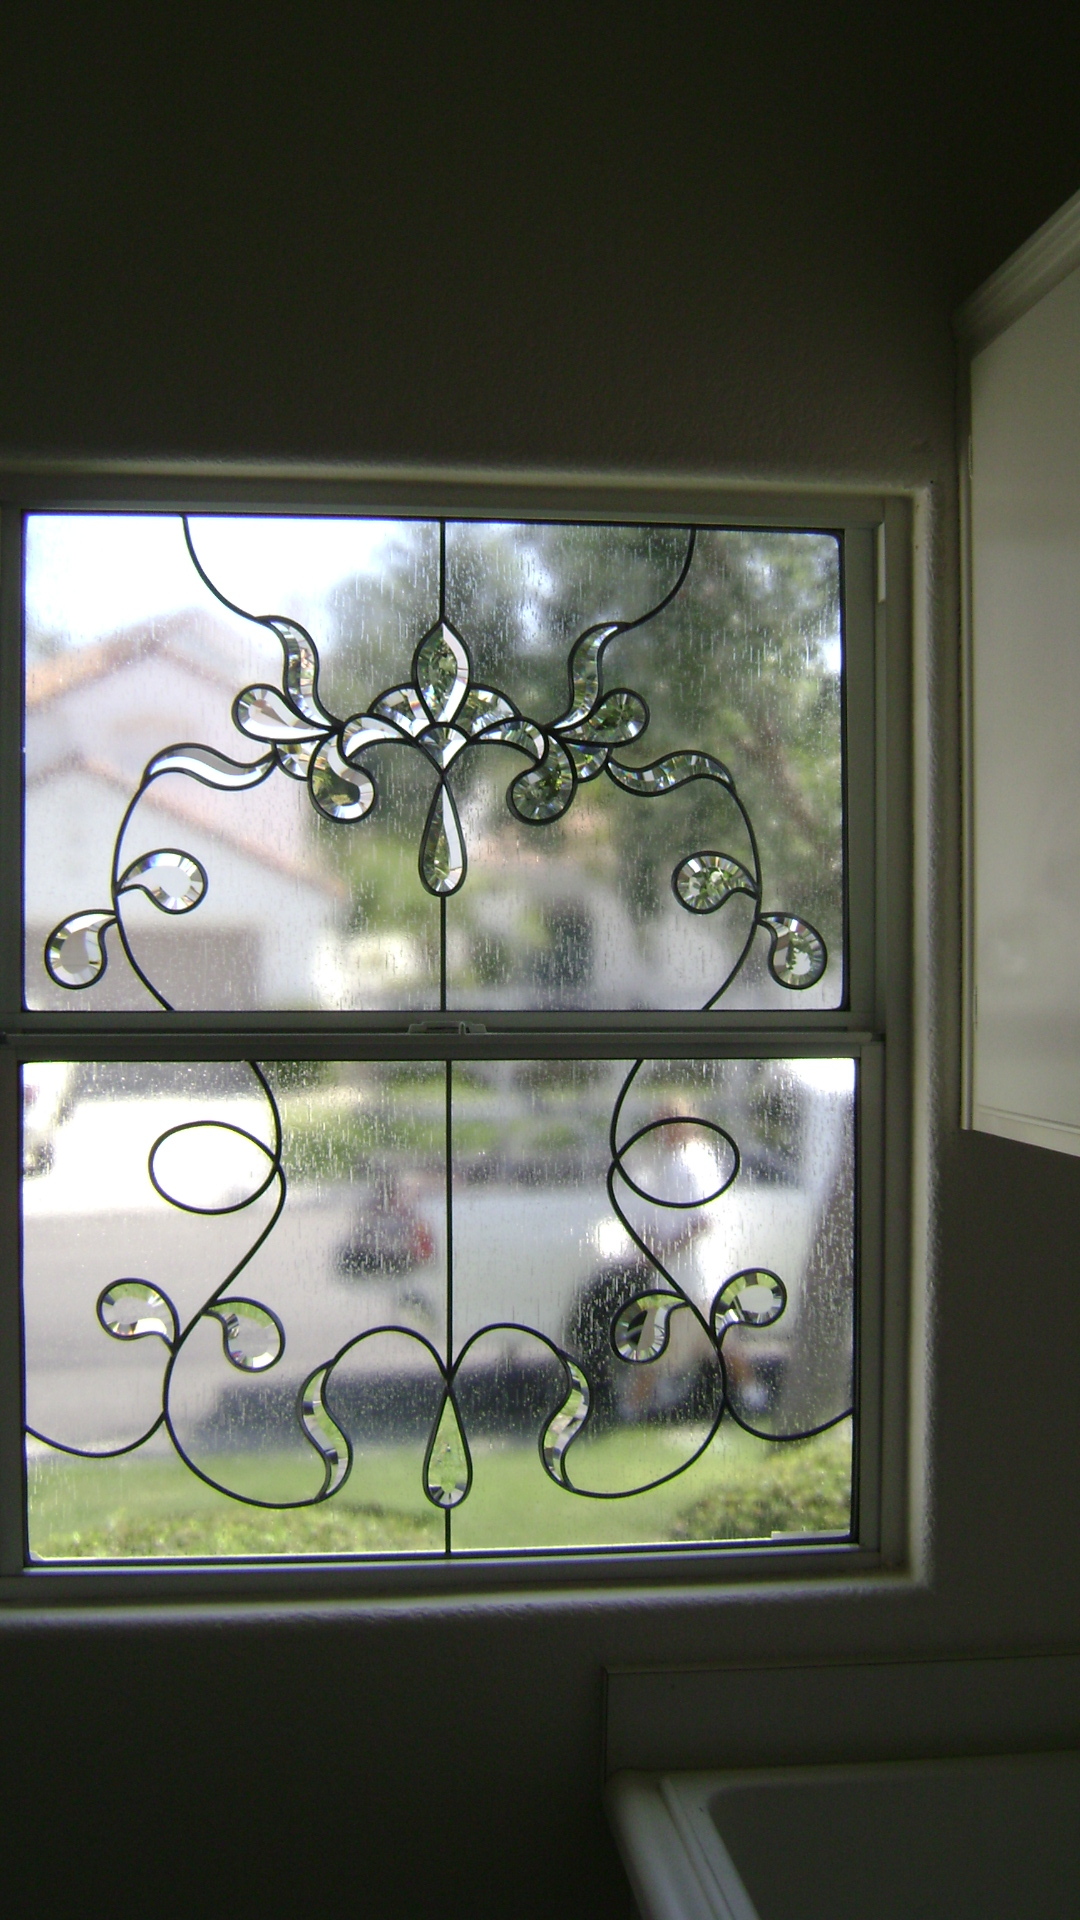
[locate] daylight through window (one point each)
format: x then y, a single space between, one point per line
455 1146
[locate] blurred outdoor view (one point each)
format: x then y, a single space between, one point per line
128 652
354 1274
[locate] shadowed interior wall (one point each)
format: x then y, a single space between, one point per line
725 242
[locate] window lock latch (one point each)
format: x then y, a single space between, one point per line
447 1026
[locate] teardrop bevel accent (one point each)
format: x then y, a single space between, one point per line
441 672
262 714
797 952
253 1337
175 881
482 707
515 733
544 793
566 1423
447 1466
212 768
620 717
588 761
442 851
640 1330
442 743
301 675
674 770
583 672
753 1298
324 1433
339 789
365 730
704 881
402 704
75 953
133 1309
296 761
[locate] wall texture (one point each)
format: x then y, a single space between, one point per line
723 241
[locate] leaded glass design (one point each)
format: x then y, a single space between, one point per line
437 1307
461 765
429 1305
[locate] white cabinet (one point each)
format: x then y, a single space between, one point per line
1022 611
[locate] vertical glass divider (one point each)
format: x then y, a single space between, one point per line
449 1164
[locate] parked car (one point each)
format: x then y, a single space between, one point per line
389 1235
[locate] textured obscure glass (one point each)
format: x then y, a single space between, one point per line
348 763
318 1308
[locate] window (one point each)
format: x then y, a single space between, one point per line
451 1075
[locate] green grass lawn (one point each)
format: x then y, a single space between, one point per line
151 1507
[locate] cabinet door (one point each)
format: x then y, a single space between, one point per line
1022 495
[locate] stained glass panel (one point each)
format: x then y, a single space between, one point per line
317 1308
366 764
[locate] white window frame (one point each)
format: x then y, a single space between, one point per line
874 1027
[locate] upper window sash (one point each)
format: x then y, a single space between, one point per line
559 773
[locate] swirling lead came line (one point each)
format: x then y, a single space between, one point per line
95 1453
259 618
627 626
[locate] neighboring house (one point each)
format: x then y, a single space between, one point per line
278 926
272 912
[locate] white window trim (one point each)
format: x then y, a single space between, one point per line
891 1391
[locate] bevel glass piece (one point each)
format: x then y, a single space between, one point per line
339 790
797 956
174 881
323 1431
364 730
212 768
263 714
132 1309
447 1471
620 716
442 743
674 770
589 761
545 792
301 670
403 705
753 1298
75 952
296 761
584 673
441 671
640 1330
703 881
442 854
252 1337
516 733
482 707
566 1423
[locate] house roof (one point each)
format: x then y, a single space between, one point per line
49 679
171 800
